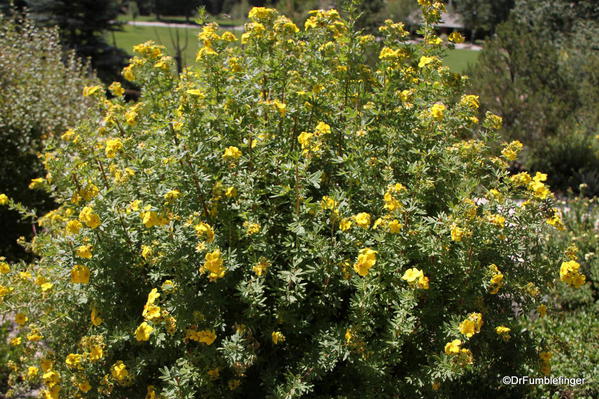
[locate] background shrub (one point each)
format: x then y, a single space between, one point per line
41 94
284 220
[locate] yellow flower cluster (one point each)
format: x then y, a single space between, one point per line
471 325
496 281
366 260
416 278
312 142
463 356
545 362
277 337
503 332
510 151
390 197
213 264
326 19
204 336
89 218
569 273
535 185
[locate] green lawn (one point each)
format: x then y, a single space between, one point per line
458 60
131 35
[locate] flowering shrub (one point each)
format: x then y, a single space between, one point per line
285 220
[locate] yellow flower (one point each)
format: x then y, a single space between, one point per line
259 14
322 128
542 309
112 147
84 386
348 335
152 218
470 101
119 371
89 218
366 260
214 264
128 73
497 220
195 92
73 360
416 278
80 274
328 203
510 152
204 336
569 273
251 228
453 347
362 219
437 111
91 90
3 199
457 233
261 267
32 371
73 227
150 392
84 251
424 61
146 252
205 231
277 337
36 183
50 378
504 332
15 341
496 281
21 318
214 373
471 325
394 226
232 153
233 384
456 37
345 224
4 268
556 220
143 332
96 353
116 89
521 179
96 320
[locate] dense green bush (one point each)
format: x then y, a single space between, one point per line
40 95
283 220
540 73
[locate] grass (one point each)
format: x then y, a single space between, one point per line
457 59
132 35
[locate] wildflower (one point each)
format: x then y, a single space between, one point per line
32 371
251 228
151 219
437 111
362 219
456 37
457 233
496 281
95 319
146 252
258 14
424 61
542 309
233 384
497 220
470 101
416 278
471 325
510 152
119 371
3 199
112 147
556 220
214 373
204 231
204 336
143 332
96 353
569 273
20 319
84 251
73 360
277 337
366 260
80 274
261 267
453 347
91 90
116 89
4 268
232 153
84 386
214 264
345 224
328 203
89 218
36 183
504 332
